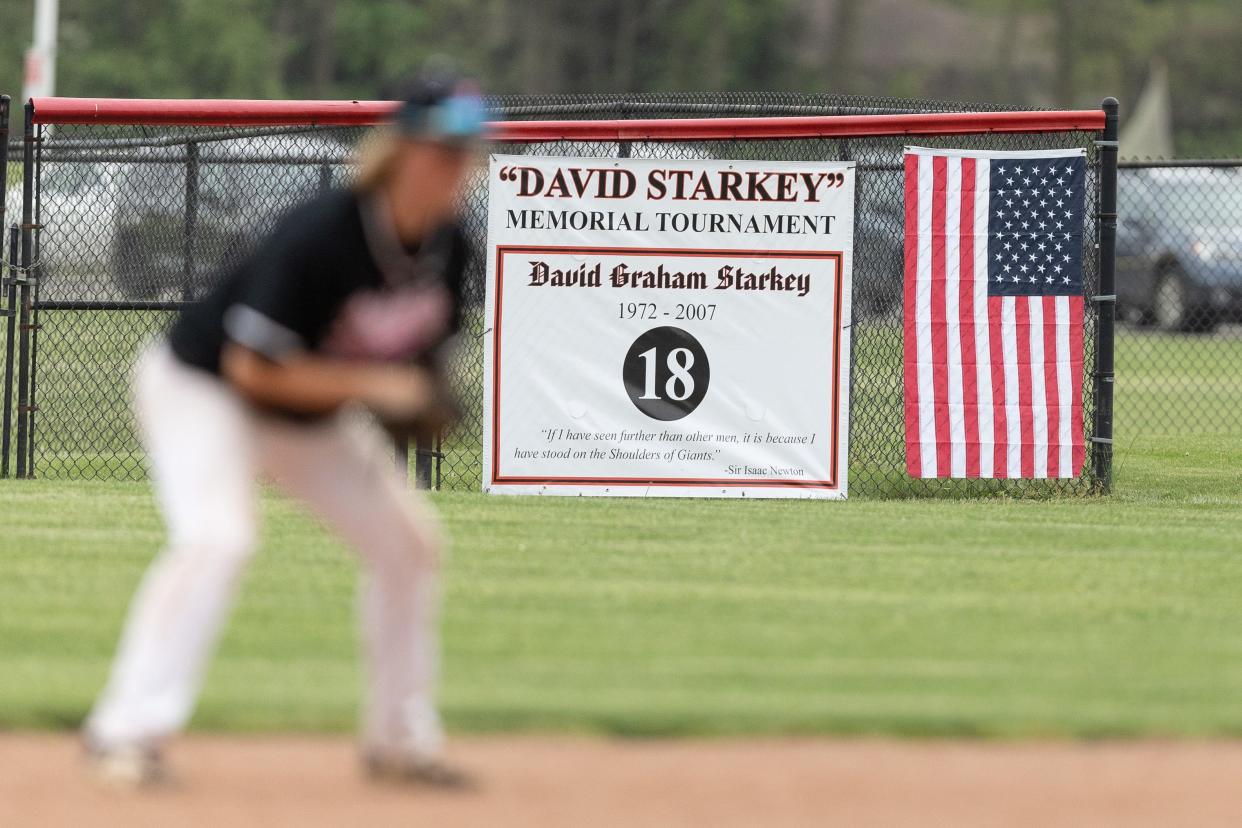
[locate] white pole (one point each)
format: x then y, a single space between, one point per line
40 80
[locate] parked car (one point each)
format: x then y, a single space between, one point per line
243 187
78 211
116 230
1179 247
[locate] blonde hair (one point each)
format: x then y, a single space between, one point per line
374 158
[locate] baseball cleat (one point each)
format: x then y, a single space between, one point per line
416 771
129 767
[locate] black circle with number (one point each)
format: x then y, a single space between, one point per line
666 373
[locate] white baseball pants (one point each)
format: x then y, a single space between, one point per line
207 448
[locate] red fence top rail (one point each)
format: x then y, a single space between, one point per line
366 113
135 111
809 126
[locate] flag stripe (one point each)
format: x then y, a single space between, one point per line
956 466
940 333
1052 457
983 337
1022 375
914 464
1039 394
967 359
1065 377
1000 386
1076 378
1013 392
923 325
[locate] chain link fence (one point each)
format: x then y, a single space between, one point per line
129 222
1179 295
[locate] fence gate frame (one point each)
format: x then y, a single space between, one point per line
8 288
22 307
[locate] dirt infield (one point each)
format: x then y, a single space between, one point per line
545 781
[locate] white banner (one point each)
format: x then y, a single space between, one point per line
664 327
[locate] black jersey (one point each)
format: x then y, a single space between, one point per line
331 278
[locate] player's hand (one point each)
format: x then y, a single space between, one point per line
398 394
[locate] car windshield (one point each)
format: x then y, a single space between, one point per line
237 186
1185 198
70 178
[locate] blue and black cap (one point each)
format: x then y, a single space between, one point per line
441 107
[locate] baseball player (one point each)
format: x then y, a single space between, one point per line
350 303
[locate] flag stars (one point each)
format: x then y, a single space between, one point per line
1031 226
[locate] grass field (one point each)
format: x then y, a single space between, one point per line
1089 617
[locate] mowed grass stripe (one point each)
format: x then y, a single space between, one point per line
1110 616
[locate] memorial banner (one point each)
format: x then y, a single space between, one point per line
671 328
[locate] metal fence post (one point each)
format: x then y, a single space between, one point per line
10 311
424 451
23 309
8 288
4 161
34 273
1106 302
401 456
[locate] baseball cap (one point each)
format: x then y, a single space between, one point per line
441 107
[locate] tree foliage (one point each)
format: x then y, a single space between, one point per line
1031 52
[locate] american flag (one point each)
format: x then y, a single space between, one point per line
994 313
